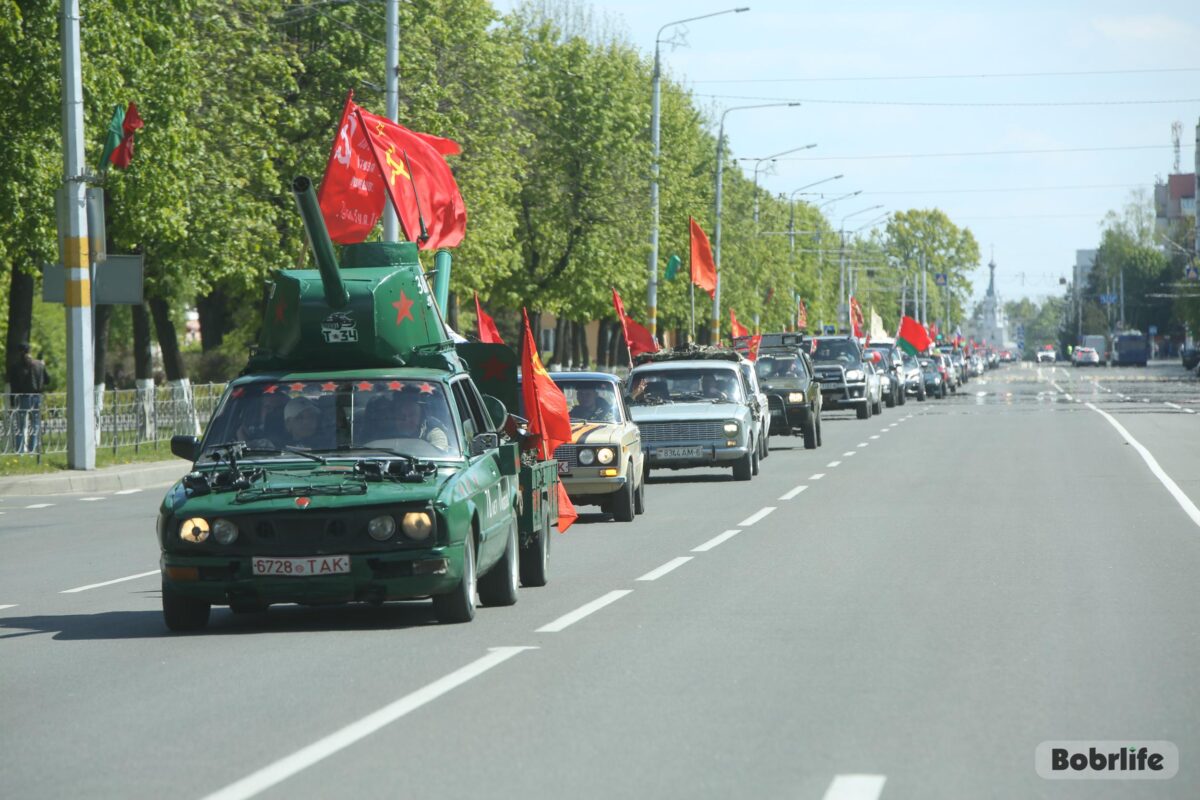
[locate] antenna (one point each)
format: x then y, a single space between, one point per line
1176 135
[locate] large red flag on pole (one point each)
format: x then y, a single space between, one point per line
801 316
488 334
549 419
352 194
913 337
856 318
637 339
704 269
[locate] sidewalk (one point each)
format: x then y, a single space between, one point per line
105 479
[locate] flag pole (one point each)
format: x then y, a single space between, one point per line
692 294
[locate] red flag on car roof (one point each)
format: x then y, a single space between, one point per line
913 337
637 338
736 328
544 401
488 334
755 341
704 269
802 317
856 318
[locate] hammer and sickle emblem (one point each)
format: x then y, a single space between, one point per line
393 165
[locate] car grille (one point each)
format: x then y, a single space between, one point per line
568 454
775 402
680 431
828 374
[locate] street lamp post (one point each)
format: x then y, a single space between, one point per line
842 260
716 314
655 116
792 207
758 163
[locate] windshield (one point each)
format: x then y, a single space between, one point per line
835 351
779 366
591 401
407 416
654 386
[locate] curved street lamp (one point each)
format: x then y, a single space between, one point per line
842 310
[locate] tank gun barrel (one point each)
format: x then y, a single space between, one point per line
318 237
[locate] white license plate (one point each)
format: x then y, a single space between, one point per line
564 468
679 452
301 567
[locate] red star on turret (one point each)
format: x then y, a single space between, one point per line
403 308
494 369
271 389
329 387
425 388
395 386
365 386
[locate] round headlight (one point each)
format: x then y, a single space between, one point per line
587 457
796 397
381 528
731 427
417 525
194 530
605 455
225 531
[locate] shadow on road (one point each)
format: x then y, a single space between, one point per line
658 477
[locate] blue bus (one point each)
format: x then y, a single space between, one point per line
1131 347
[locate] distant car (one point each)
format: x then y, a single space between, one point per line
914 383
949 372
603 464
1047 354
876 378
933 376
793 394
1190 356
1085 357
759 404
893 365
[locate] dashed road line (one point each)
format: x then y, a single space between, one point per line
816 476
756 516
855 787
279 771
110 583
862 444
832 464
790 494
658 572
571 617
848 453
874 435
1172 405
1190 410
716 540
1145 399
8 605
128 491
89 499
40 505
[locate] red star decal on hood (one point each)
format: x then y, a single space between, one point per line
271 389
425 388
296 387
403 308
395 386
329 387
365 386
494 369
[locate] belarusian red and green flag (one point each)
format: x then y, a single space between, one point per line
118 139
913 337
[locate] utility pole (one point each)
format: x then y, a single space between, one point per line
81 442
1123 297
391 225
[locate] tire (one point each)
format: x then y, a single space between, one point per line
863 411
878 407
742 469
639 496
810 431
766 445
458 605
535 560
499 586
921 395
622 503
902 397
183 614
820 441
755 462
942 393
891 400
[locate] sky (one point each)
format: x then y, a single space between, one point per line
871 76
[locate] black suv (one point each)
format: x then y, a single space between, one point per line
785 374
838 365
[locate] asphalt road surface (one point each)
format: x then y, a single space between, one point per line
906 612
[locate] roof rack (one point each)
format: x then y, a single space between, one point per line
688 352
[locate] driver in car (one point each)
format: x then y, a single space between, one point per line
411 422
591 407
713 387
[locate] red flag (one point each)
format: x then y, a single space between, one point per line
802 317
352 193
544 401
913 337
408 160
566 509
933 330
488 334
704 269
754 342
736 328
856 318
637 338
123 155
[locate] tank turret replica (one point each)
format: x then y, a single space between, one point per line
356 458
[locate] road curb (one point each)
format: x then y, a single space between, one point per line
107 479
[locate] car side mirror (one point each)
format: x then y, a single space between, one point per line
483 442
496 411
185 446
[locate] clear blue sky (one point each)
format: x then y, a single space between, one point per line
1035 231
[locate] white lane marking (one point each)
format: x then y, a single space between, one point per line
816 476
657 573
1184 501
321 749
89 499
874 435
789 495
571 617
1145 399
1068 396
862 444
40 505
756 516
716 540
832 464
847 453
128 491
1190 410
1172 405
855 787
110 583
894 424
883 430
8 605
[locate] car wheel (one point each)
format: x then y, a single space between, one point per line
755 462
535 559
891 400
810 431
921 395
639 496
902 397
766 444
820 440
622 502
864 410
458 605
742 468
499 586
183 613
942 392
879 406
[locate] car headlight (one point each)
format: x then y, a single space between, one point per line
587 457
605 455
856 375
194 530
381 528
417 525
796 397
731 427
225 531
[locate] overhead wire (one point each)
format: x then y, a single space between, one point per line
962 76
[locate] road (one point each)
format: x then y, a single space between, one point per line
906 612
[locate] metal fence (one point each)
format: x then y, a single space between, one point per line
36 425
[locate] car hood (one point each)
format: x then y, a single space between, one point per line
668 412
595 432
786 385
